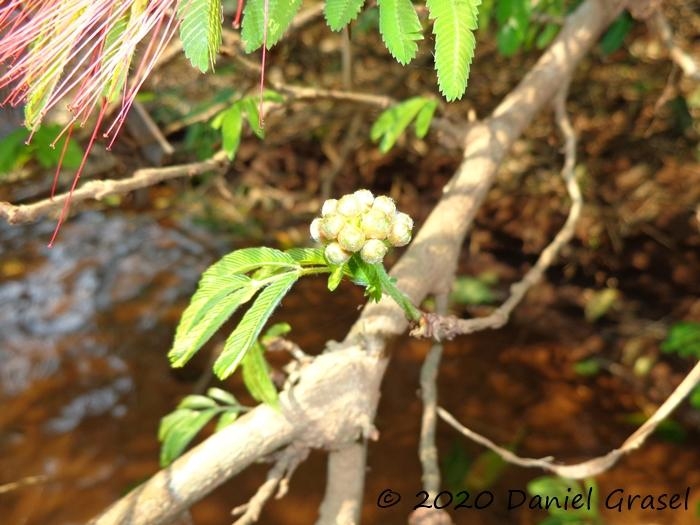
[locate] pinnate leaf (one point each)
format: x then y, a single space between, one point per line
248 330
400 28
222 289
279 16
454 23
200 31
256 376
393 122
340 13
178 429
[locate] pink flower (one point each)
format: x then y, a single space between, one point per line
80 51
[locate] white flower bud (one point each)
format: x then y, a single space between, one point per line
329 207
375 224
335 254
385 204
315 229
365 198
405 219
331 225
349 205
400 234
373 251
351 238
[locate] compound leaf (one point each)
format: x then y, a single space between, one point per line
393 121
279 16
178 429
200 31
400 28
454 23
340 13
256 376
248 330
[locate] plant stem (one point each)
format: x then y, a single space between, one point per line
389 288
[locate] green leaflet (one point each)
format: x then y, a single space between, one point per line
222 289
340 13
425 118
112 44
279 16
120 37
683 339
230 121
248 330
41 89
614 37
212 313
256 376
400 28
308 256
178 428
200 31
513 19
392 122
454 24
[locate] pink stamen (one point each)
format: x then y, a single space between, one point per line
66 204
60 161
239 12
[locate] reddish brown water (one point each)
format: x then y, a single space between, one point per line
84 331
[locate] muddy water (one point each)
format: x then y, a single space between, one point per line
84 329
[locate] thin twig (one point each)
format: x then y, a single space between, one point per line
441 327
596 465
277 479
99 189
21 483
662 28
427 450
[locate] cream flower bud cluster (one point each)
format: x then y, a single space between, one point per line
360 222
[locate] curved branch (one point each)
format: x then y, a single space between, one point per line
99 189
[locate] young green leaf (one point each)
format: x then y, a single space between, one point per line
275 331
683 339
615 36
340 13
256 376
250 108
335 277
280 15
365 274
200 31
113 42
308 256
178 429
197 402
222 396
454 23
393 121
211 312
248 330
513 20
424 118
226 418
12 150
249 259
231 123
400 28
